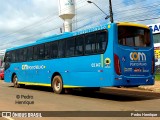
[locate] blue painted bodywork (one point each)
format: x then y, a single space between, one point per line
87 71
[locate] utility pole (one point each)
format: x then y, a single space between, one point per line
110 11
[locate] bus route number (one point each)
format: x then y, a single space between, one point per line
95 64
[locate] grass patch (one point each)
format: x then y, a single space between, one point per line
157 77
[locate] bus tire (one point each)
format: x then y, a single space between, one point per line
15 81
57 84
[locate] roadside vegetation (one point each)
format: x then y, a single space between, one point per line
157 77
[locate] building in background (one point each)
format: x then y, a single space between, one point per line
156 38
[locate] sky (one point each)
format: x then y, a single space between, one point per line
25 21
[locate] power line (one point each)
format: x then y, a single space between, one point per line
32 26
137 15
96 15
38 22
87 17
146 19
58 27
41 32
138 8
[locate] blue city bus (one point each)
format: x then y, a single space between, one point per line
116 54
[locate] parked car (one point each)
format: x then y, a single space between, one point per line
1 73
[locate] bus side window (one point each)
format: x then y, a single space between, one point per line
35 52
41 51
54 50
61 49
47 50
25 54
70 47
13 56
79 43
30 53
20 56
101 42
90 45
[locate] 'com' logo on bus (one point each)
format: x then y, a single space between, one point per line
137 56
24 67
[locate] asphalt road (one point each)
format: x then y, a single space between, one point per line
33 98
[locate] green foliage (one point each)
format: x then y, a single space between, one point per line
157 77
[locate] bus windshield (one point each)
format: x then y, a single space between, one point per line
133 36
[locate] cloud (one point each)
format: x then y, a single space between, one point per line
42 16
39 15
129 2
17 14
43 7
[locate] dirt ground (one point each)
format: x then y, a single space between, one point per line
154 88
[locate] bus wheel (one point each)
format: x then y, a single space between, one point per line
15 81
57 84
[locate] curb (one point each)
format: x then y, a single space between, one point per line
153 88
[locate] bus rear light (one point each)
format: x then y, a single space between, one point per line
117 64
153 65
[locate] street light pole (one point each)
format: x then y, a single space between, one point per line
110 10
97 6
